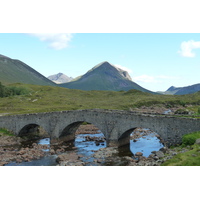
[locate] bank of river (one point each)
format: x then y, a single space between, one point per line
90 150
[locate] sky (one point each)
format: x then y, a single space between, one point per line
157 42
155 61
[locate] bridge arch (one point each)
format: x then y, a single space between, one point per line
68 132
32 130
125 137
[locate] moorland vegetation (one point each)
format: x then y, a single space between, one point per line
23 98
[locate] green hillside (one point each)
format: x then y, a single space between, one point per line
104 76
48 99
15 71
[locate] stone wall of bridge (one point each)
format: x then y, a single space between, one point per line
114 124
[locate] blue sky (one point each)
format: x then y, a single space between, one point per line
155 61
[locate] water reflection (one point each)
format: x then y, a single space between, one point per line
86 144
146 145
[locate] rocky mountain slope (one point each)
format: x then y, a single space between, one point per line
183 90
15 71
104 76
60 78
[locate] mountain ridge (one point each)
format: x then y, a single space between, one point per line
104 76
16 71
183 90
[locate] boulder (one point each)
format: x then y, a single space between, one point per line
163 149
138 154
197 141
160 154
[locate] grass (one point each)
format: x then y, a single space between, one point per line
5 132
189 158
189 139
49 98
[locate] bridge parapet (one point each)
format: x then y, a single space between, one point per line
114 124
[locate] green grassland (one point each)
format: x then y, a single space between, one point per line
49 98
190 157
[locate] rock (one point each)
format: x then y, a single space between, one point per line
52 151
151 155
197 141
160 154
3 163
128 158
163 149
138 154
156 158
67 158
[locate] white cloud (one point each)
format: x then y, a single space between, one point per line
56 41
145 79
124 68
187 47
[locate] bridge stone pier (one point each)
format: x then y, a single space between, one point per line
114 124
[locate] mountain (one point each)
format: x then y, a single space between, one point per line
104 76
60 78
15 71
183 90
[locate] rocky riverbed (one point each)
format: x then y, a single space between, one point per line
12 149
109 156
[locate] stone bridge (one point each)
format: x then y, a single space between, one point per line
114 124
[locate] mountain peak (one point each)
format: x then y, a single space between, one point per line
106 66
104 76
60 78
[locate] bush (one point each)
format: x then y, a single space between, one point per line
189 139
182 112
198 111
17 90
4 131
12 90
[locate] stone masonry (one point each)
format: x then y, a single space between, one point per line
116 125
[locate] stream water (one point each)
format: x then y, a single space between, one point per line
86 148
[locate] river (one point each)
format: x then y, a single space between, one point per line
86 149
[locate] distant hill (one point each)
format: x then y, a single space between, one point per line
15 71
183 90
104 76
60 78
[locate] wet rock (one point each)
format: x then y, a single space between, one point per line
138 154
69 159
151 155
52 152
